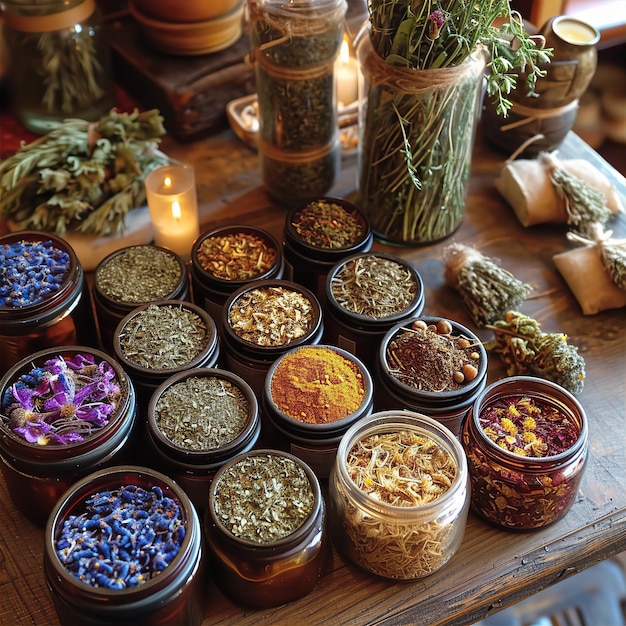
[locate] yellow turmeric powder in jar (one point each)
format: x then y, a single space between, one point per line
317 385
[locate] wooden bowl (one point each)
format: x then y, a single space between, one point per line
185 11
191 38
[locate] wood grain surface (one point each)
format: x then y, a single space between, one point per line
493 568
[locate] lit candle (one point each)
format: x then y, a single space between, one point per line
173 206
346 76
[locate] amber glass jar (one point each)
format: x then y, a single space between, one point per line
512 421
173 589
431 365
58 318
227 258
263 320
152 354
36 474
312 395
399 495
133 276
222 406
266 529
356 319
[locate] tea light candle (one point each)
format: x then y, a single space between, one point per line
173 206
346 76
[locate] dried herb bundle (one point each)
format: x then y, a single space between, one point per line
584 204
82 176
488 291
523 346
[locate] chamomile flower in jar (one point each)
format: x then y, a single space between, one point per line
399 495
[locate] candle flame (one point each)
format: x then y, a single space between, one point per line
344 53
176 213
167 181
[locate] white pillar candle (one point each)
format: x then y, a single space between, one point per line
173 206
346 76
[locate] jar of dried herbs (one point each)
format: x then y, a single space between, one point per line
263 320
266 529
197 421
431 365
399 495
312 395
59 63
124 546
526 441
162 338
44 299
366 294
227 258
294 48
320 234
133 276
64 413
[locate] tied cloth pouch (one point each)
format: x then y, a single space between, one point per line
527 186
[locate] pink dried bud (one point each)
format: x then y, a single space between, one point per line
436 21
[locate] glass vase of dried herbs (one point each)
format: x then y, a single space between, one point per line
526 441
59 61
294 46
399 495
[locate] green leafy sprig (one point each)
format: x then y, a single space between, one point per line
81 175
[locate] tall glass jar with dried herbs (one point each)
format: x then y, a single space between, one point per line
266 529
64 412
226 258
58 61
526 441
294 48
44 298
399 495
197 421
131 277
366 294
320 234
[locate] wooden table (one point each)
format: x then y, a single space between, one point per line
493 568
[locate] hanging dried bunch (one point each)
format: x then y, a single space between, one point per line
488 290
527 350
81 175
584 204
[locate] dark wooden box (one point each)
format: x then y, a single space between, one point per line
191 92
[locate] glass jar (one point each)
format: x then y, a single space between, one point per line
431 365
358 313
173 568
285 316
294 48
312 395
266 529
37 466
59 62
162 338
319 235
227 258
58 313
219 404
413 526
132 276
519 490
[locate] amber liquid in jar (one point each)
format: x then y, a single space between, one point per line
526 444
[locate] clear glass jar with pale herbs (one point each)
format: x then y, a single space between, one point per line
58 61
294 48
